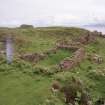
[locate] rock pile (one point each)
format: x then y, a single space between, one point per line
89 37
96 58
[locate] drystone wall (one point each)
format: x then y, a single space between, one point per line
77 58
32 57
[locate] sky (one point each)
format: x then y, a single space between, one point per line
51 12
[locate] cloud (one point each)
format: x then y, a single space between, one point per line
51 12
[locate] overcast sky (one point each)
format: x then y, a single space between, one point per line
51 12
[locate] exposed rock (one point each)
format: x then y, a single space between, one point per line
97 59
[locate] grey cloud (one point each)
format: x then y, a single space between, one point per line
51 12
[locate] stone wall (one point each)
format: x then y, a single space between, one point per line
68 45
78 56
32 57
88 38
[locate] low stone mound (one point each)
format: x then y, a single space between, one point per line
96 58
33 57
88 38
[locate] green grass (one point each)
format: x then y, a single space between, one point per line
19 89
56 58
20 86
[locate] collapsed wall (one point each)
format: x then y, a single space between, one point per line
77 47
35 57
87 38
78 56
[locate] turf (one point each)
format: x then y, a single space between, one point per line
54 59
20 86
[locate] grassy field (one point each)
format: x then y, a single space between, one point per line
20 85
54 59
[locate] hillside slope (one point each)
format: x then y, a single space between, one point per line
23 82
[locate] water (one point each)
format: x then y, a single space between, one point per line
9 50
